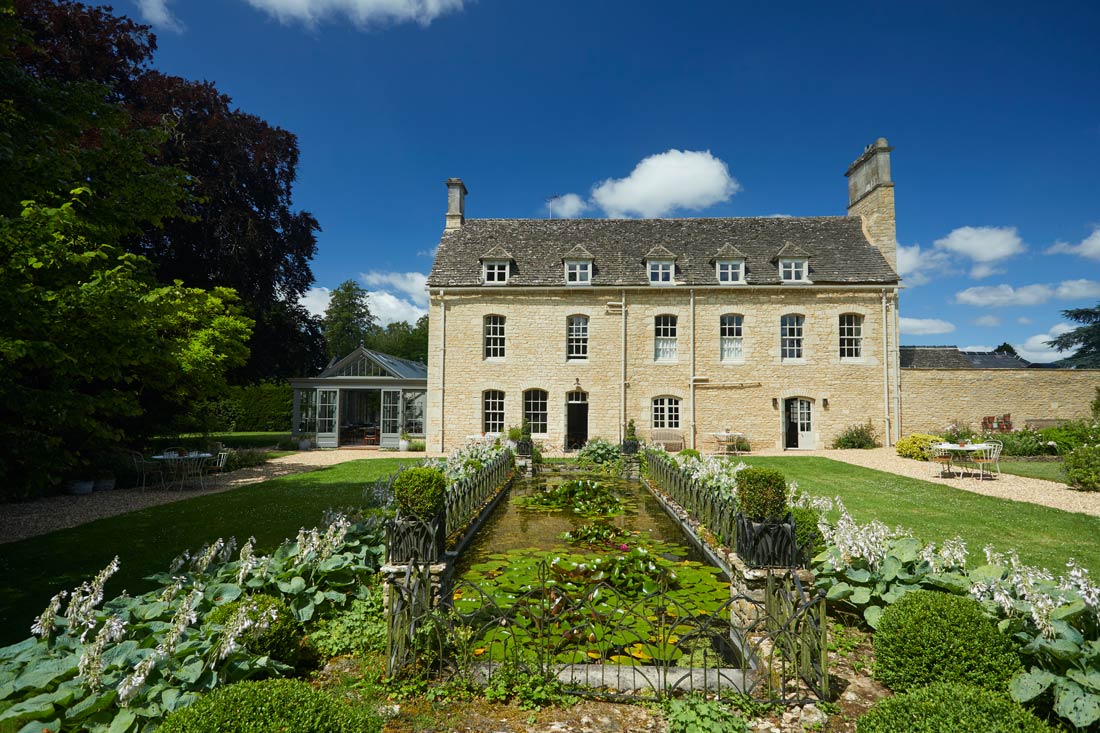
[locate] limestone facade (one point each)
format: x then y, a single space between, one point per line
746 395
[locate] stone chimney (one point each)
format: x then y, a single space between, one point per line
871 196
456 204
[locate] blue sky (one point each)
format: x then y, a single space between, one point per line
684 109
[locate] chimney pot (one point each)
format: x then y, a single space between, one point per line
456 204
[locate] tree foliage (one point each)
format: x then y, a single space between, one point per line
238 227
95 350
401 339
348 321
1085 338
1007 349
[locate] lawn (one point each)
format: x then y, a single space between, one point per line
146 541
1046 470
1043 536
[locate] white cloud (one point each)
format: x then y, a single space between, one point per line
983 245
411 284
1089 246
1077 289
568 206
662 183
977 347
388 308
1035 348
316 300
989 296
916 266
989 321
157 14
925 326
1024 321
362 13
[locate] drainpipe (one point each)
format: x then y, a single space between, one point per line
885 375
691 379
896 361
622 384
442 369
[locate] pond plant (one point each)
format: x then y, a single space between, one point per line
585 497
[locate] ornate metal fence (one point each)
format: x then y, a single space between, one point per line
466 497
601 642
716 513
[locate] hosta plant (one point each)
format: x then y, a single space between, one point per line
120 665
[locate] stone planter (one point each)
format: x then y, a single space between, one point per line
524 448
769 544
79 487
305 443
415 540
403 445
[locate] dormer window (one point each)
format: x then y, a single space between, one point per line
793 270
730 272
495 272
661 272
578 272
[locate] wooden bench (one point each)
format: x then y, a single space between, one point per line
671 440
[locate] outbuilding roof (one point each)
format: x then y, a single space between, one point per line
838 250
399 368
950 357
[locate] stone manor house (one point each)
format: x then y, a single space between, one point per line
782 329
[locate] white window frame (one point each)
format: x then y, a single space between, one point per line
576 338
792 334
851 336
723 269
665 271
536 410
731 346
495 272
494 336
578 273
492 411
665 413
794 270
664 338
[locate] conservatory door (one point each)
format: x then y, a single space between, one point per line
391 417
328 418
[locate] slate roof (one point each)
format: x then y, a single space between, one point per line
949 357
837 249
398 367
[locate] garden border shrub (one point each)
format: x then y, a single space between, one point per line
419 492
280 640
929 636
949 708
762 493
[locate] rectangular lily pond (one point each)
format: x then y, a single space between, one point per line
585 569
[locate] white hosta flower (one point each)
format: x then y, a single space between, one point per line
242 621
45 622
84 600
202 561
91 659
247 559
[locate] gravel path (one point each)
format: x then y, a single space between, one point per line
29 519
1005 486
32 518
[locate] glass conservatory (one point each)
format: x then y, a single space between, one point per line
366 398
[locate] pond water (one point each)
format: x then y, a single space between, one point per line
513 527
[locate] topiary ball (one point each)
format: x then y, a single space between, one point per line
280 640
419 492
762 493
269 706
949 708
931 637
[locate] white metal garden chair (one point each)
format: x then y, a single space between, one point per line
942 460
989 459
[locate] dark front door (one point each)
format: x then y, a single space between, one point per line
790 423
576 423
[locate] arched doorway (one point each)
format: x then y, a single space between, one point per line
798 424
576 419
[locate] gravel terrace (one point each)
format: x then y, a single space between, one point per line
21 520
41 516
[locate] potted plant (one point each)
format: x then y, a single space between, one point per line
403 441
417 532
524 445
630 442
765 529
